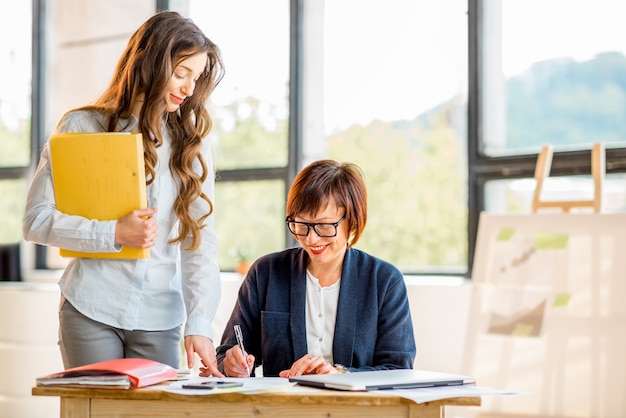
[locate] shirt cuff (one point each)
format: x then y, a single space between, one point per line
199 326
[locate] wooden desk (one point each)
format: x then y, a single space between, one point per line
154 403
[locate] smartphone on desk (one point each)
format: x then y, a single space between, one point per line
212 385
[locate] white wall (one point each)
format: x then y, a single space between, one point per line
28 335
83 45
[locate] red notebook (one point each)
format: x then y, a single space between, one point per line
119 373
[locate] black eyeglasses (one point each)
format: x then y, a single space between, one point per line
324 230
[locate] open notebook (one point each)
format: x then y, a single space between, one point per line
382 379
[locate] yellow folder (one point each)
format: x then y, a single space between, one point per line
99 175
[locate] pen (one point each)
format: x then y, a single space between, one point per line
239 337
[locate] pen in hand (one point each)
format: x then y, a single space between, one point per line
239 337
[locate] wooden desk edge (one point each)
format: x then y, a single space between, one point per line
318 397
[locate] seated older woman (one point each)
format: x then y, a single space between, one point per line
323 307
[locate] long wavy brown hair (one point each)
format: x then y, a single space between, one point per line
140 78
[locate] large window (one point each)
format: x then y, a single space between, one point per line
444 104
546 73
395 77
384 84
391 100
563 82
15 118
250 111
566 88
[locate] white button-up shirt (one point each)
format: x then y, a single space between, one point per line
155 293
321 314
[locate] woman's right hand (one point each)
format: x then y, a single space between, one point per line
137 229
309 364
235 365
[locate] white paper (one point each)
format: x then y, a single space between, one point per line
279 384
421 395
250 385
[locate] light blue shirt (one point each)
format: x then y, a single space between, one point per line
156 293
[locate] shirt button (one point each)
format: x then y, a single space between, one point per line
320 339
320 315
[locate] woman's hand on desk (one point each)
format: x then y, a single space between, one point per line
235 363
137 229
309 364
204 348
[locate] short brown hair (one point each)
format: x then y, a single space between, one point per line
317 183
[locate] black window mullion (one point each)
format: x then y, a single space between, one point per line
296 44
475 183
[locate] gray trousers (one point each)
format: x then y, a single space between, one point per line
84 341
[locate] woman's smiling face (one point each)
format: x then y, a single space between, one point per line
183 80
325 252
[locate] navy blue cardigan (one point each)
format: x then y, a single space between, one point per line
373 329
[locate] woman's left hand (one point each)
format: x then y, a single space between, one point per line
203 346
309 364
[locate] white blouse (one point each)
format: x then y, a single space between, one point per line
321 313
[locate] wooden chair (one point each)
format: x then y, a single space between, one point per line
542 171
